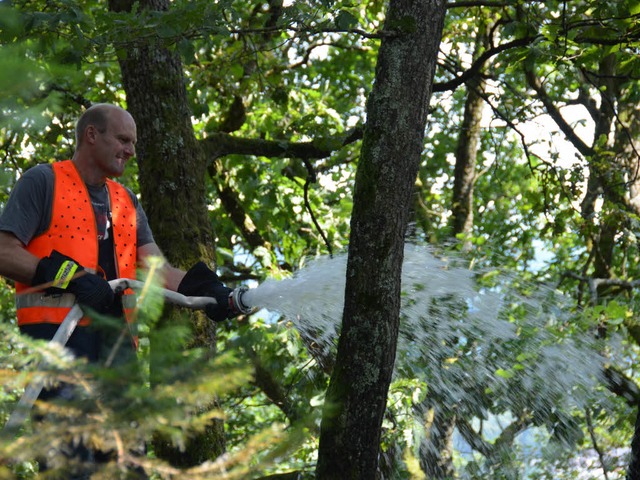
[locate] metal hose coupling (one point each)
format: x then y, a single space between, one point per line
236 305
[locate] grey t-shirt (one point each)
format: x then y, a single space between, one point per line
27 213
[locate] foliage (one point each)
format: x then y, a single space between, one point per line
115 409
302 74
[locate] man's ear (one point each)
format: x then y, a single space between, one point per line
91 134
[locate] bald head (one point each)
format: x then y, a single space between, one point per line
105 141
97 115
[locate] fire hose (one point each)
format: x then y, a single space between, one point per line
70 322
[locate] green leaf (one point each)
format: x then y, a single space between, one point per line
345 20
504 373
187 50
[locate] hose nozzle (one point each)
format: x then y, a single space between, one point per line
236 305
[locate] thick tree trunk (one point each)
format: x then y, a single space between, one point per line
172 170
392 145
172 176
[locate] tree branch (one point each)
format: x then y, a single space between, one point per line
357 31
311 178
479 3
554 113
472 437
606 41
219 144
508 434
492 450
234 207
267 383
479 63
596 446
584 98
621 385
595 283
75 97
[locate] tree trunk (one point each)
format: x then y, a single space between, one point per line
172 176
392 145
627 132
602 177
633 472
436 450
466 159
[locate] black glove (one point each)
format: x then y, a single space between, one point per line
90 290
201 281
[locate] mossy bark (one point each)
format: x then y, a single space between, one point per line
391 151
172 175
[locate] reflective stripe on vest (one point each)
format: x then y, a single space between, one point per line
73 232
40 299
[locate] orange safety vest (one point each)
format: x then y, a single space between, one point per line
73 232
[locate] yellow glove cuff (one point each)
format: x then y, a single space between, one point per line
65 274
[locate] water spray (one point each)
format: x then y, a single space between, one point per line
454 336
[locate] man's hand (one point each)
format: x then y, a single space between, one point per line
201 281
62 274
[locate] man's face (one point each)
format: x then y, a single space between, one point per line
115 146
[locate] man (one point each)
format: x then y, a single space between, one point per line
47 227
67 229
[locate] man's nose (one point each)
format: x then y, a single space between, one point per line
130 149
